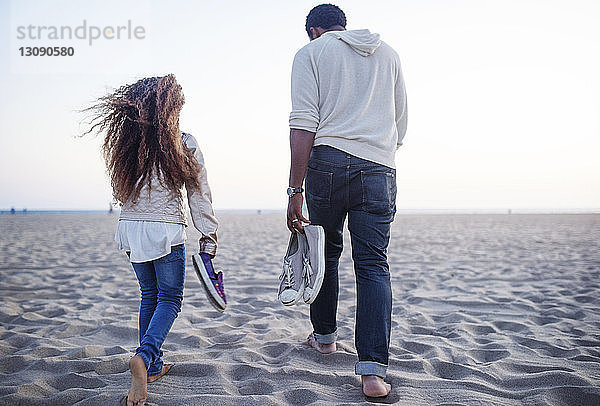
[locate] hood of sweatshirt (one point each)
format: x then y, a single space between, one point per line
362 42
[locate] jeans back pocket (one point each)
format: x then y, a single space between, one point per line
177 254
378 190
318 187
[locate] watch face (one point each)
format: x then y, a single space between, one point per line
291 191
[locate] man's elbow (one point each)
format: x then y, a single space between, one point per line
302 133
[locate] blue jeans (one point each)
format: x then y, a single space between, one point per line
339 185
161 286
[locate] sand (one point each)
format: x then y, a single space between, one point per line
488 310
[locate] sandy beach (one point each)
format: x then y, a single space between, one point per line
488 310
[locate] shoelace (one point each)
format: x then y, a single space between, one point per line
287 275
219 286
218 283
308 272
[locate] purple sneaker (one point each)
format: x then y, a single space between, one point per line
211 280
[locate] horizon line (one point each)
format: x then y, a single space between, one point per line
572 210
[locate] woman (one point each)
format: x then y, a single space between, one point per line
149 162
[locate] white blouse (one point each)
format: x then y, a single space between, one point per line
148 240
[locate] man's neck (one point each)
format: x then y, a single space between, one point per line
334 28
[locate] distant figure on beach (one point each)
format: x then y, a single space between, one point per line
348 119
149 161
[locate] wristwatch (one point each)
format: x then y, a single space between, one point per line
291 191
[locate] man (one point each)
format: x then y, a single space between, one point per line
348 119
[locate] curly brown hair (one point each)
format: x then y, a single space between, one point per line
141 122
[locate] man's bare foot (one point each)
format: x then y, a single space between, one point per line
373 386
322 348
138 389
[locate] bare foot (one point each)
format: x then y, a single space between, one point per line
322 348
138 389
165 369
373 386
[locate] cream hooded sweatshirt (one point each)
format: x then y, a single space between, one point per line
347 87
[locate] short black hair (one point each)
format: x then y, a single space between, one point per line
325 16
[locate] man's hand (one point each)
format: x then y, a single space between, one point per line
301 142
294 214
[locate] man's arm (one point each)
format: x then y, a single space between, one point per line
301 142
304 120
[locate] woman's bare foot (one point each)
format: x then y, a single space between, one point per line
138 389
374 387
322 348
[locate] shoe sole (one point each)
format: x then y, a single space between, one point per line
300 293
321 269
211 293
293 302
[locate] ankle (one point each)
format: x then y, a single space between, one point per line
331 346
137 365
322 348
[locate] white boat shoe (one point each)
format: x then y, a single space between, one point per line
315 237
303 266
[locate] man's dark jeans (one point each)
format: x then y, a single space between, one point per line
338 185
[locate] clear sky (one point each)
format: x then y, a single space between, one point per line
504 97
